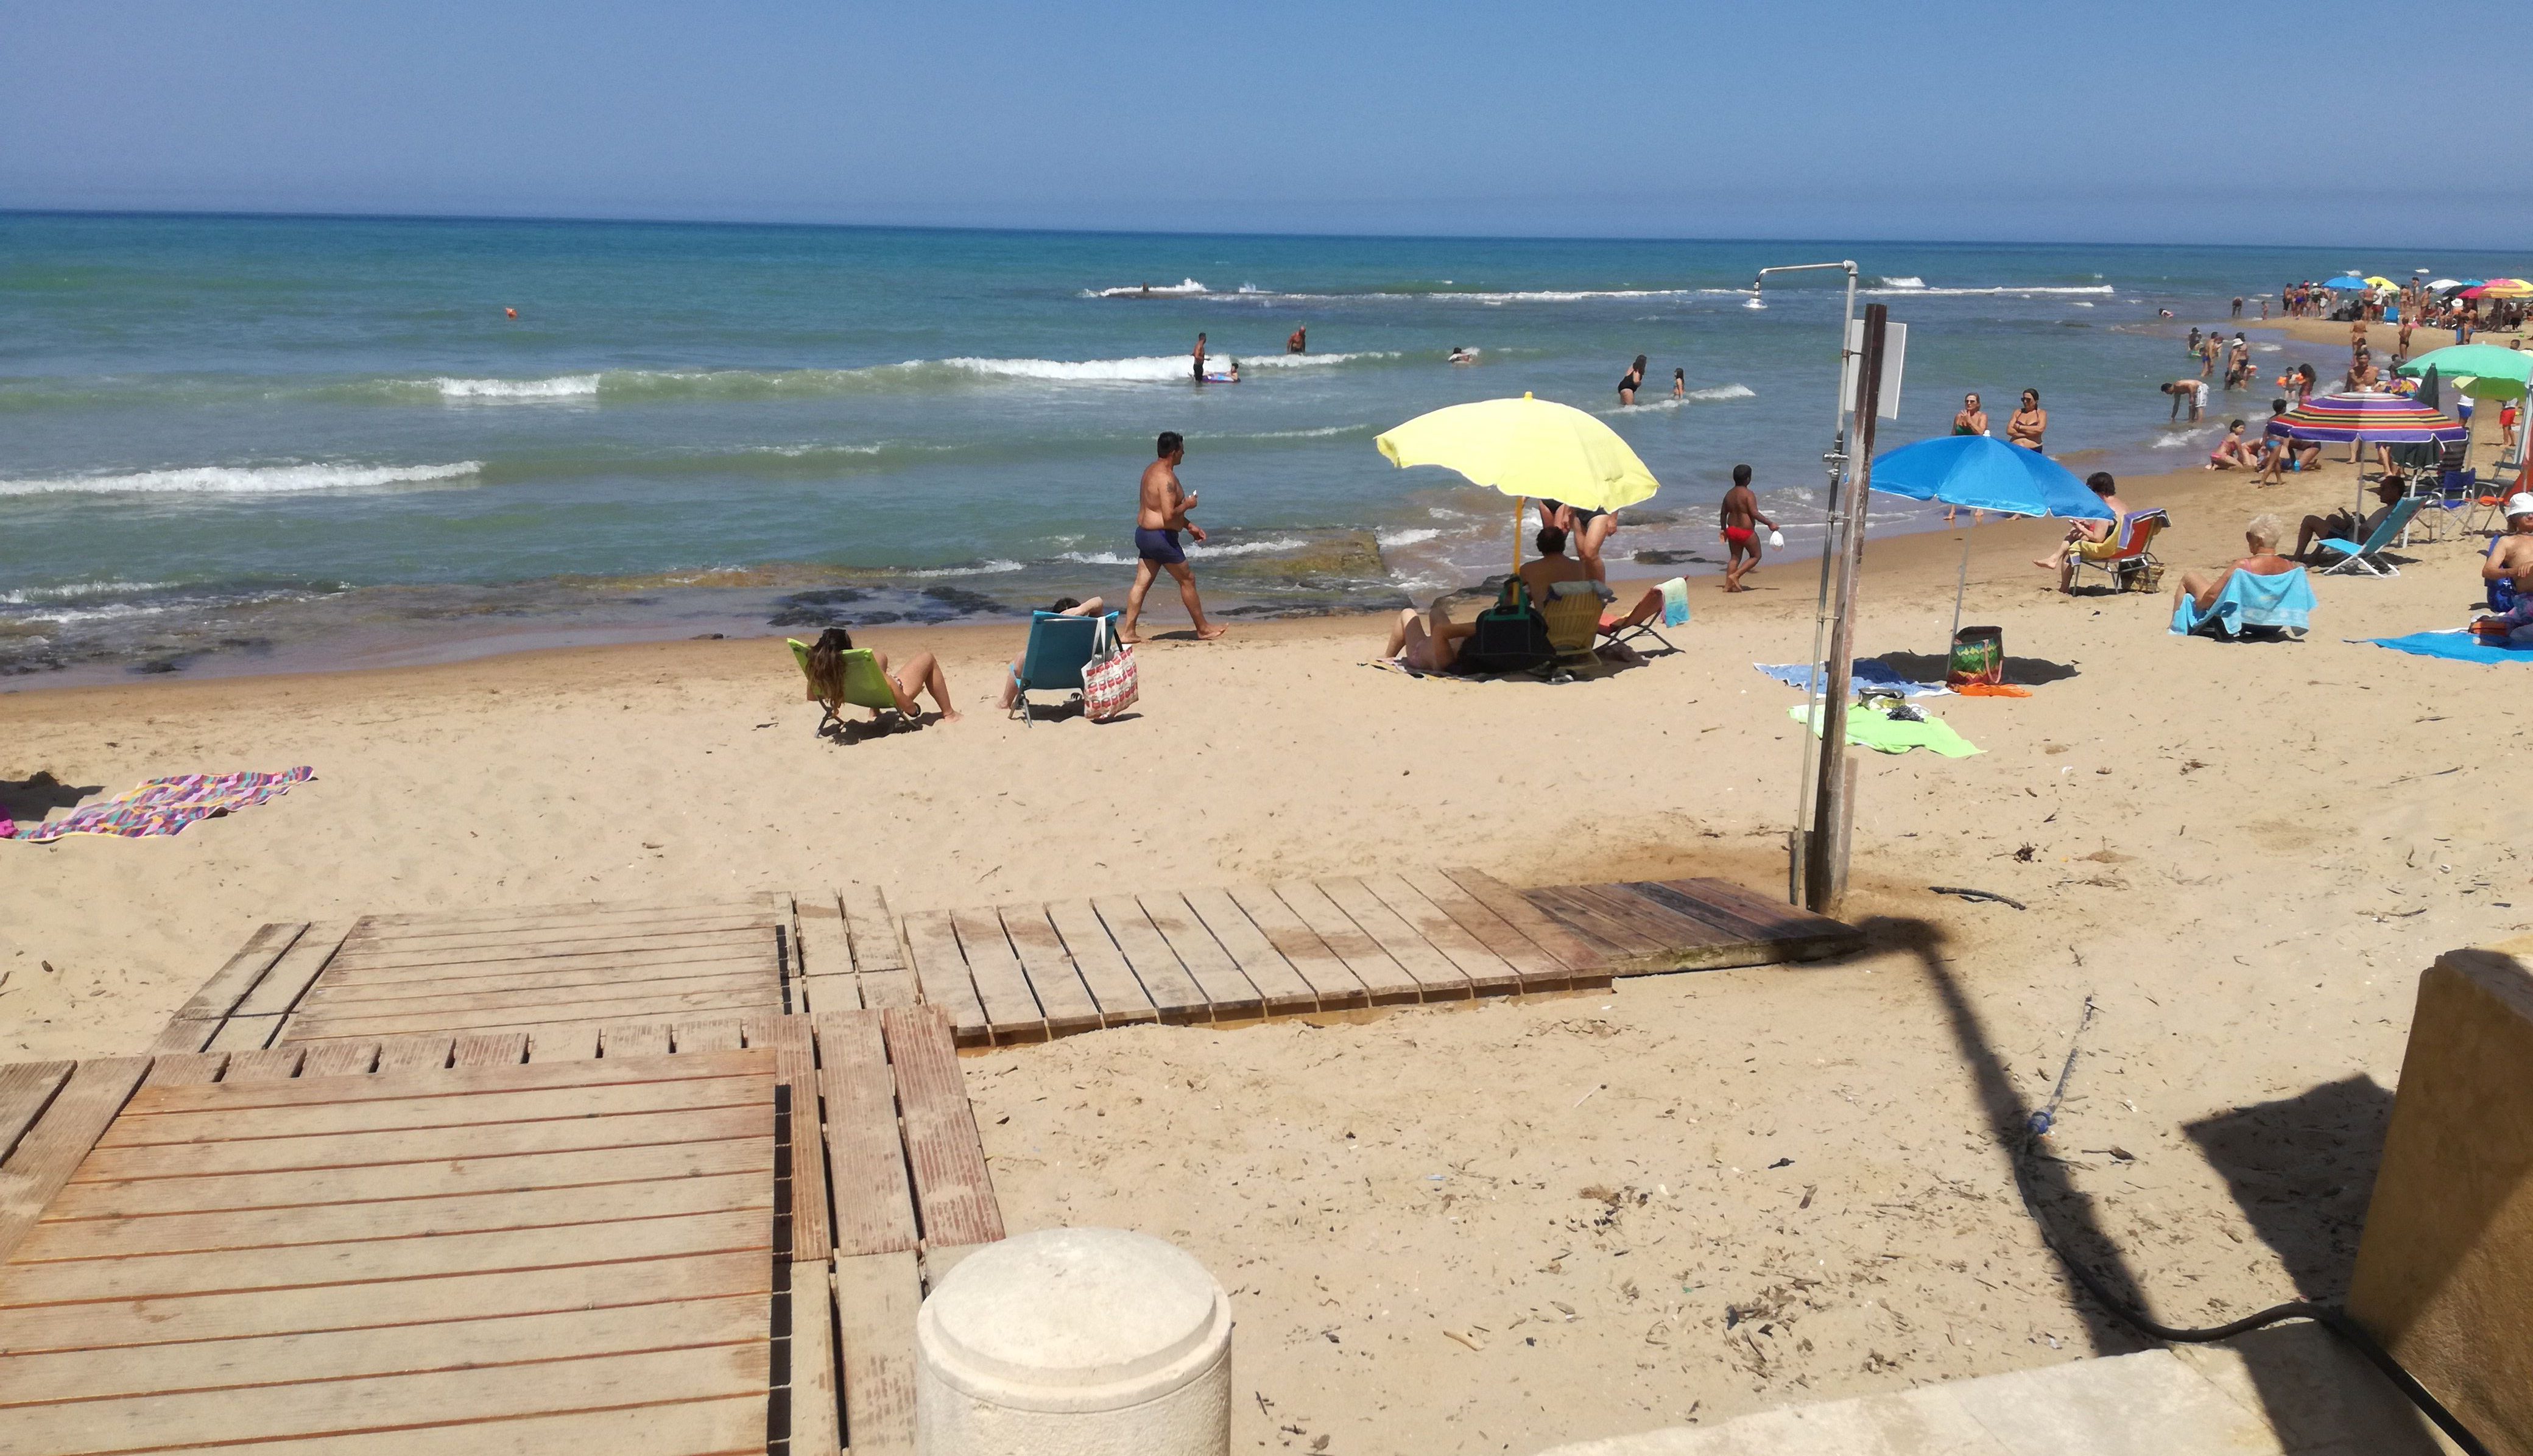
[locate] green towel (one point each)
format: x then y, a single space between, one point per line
1877 729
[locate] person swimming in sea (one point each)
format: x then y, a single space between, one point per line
1462 354
1300 342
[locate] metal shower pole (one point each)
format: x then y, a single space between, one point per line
1800 841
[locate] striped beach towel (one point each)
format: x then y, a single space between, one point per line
163 806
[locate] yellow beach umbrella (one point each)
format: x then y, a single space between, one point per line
2380 282
1525 447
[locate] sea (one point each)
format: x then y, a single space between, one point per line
247 444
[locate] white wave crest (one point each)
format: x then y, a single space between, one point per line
1152 369
2182 440
1322 433
562 387
1410 537
1098 559
981 568
78 589
1904 282
1708 395
1249 548
241 480
2015 290
1184 288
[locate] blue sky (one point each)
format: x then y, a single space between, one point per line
1809 118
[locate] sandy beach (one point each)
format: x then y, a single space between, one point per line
1498 1228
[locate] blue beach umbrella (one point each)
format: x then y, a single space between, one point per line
2345 280
1986 474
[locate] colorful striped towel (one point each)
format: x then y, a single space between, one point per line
163 806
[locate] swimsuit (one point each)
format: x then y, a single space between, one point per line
1741 536
1582 516
1158 545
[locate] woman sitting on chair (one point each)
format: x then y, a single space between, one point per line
922 670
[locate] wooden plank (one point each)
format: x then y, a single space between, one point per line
1437 979
940 1258
1216 975
760 921
26 1088
1011 1007
724 1425
817 1397
442 978
339 1059
667 907
1539 969
1522 915
636 1009
706 1036
50 1150
356 1003
954 1197
1110 980
1622 949
279 988
1281 989
943 969
823 947
426 1145
494 949
1175 995
623 1070
180 1035
229 984
489 1049
795 1070
1489 974
1774 922
888 988
394 1304
1385 981
455 1176
866 1163
1668 929
873 929
415 1053
1335 988
563 1043
1061 995
177 1069
454 1345
244 1034
818 993
392 1404
877 1296
270 1063
231 1230
144 1123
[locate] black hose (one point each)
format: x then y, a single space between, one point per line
2337 1320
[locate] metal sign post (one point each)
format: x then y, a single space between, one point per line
1825 856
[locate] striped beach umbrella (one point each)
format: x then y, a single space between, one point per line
2368 418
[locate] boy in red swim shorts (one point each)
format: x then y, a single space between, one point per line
1740 519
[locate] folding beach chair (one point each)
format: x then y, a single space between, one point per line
1675 613
2133 566
1059 648
1572 613
2367 558
864 685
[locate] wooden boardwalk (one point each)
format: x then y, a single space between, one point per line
686 1238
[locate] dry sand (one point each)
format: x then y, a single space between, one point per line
1505 1226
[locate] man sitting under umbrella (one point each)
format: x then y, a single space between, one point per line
2345 525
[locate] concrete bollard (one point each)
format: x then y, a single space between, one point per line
1075 1342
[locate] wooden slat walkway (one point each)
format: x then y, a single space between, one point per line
485 1240
1021 974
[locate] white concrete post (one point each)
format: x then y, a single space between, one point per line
1075 1342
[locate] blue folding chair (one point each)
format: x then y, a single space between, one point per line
2366 557
1059 648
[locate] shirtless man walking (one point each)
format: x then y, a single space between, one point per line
1158 520
1740 519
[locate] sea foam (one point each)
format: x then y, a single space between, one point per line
241 480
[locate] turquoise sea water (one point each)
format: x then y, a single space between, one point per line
227 443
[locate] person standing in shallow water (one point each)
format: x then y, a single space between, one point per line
1631 382
1199 355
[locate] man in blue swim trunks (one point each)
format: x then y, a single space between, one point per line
1158 520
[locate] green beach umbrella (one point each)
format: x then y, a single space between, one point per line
2481 370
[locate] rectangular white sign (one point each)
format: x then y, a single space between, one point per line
1895 354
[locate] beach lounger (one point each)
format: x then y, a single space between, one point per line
2251 606
1572 613
864 685
1675 613
2129 562
1059 648
2366 557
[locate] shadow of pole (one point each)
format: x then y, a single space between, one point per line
2065 1213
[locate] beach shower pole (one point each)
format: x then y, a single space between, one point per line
1833 802
1799 841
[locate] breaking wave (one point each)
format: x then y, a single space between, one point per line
241 480
1918 289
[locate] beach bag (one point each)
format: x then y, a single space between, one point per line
1110 681
1979 657
1508 637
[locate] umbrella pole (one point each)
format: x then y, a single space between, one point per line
1519 502
1960 588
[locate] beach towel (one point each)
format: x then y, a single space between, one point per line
2458 645
1867 672
163 806
1675 602
2284 602
1874 728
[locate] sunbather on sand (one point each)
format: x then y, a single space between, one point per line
2262 536
1552 566
2091 539
1428 646
2347 525
1061 606
2508 570
923 670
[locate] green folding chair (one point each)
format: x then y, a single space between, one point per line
866 685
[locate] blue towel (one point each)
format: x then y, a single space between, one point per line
1867 673
2462 647
2249 600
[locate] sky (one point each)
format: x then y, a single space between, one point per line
2041 121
